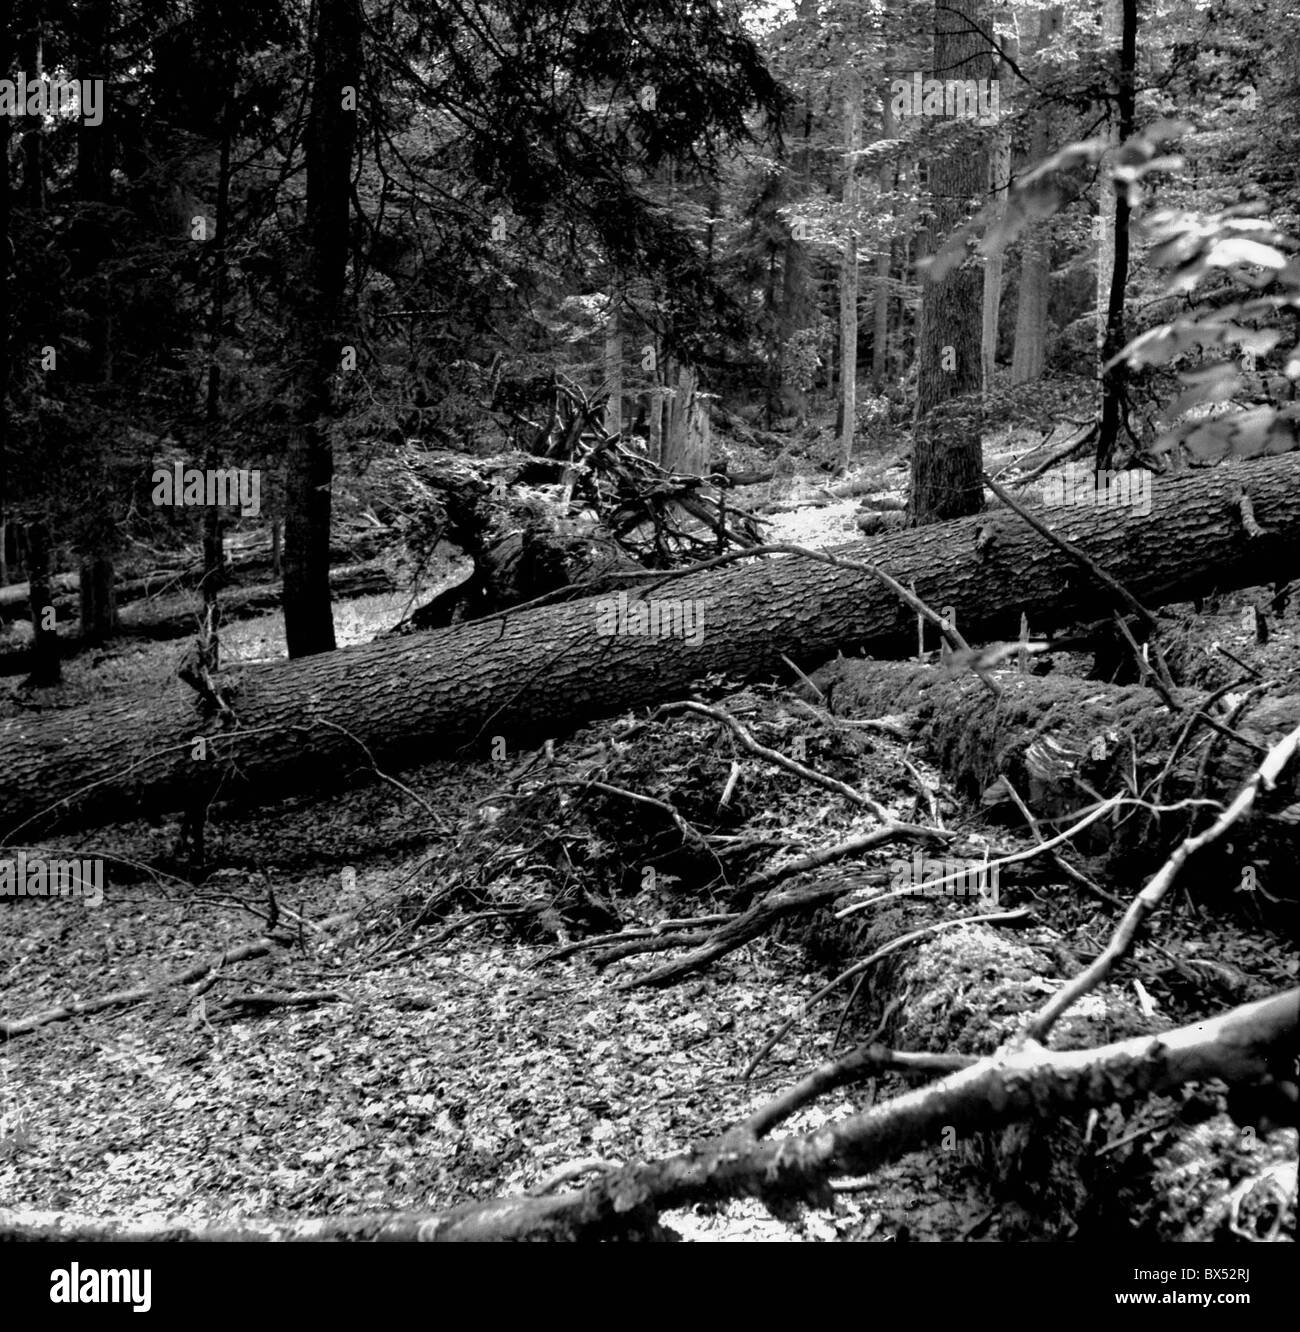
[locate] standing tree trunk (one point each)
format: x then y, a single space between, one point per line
97 602
1030 352
98 607
309 462
999 179
884 257
214 547
794 316
849 267
684 441
796 299
96 537
32 59
44 660
5 51
655 422
772 337
613 365
947 454
1115 379
1028 356
45 667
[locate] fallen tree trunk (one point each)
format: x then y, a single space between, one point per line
537 673
144 620
240 603
1059 742
816 496
245 560
15 596
1150 802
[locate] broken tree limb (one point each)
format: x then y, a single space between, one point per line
521 677
867 1061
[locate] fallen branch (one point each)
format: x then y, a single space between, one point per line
1164 683
780 760
278 999
122 998
762 914
663 930
867 1061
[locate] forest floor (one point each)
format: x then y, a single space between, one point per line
451 1063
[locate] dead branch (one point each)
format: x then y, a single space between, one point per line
266 999
1151 896
867 1061
122 998
762 914
1112 585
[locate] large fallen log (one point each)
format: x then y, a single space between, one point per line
1058 743
536 673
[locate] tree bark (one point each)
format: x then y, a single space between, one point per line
541 672
1059 741
655 423
96 536
45 668
1114 379
98 607
331 135
792 317
614 364
685 447
884 260
849 267
999 179
214 546
1029 353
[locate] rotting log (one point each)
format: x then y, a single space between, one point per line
541 672
1060 742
